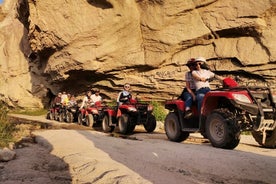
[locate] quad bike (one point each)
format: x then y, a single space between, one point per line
68 113
92 115
127 116
54 112
72 113
225 113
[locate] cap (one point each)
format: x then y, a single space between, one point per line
191 61
200 59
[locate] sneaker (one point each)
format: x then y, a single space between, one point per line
188 114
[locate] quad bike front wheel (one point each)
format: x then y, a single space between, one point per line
105 125
56 116
222 130
80 122
61 117
89 120
270 141
50 115
173 129
69 117
125 126
150 125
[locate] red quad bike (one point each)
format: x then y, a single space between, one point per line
225 113
54 112
127 116
92 115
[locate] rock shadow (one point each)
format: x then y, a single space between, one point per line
104 4
35 164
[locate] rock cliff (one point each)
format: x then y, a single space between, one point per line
51 46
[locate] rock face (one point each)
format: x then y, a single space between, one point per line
51 46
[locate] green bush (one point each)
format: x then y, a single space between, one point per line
159 111
6 129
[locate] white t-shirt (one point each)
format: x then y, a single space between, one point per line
96 98
202 74
85 101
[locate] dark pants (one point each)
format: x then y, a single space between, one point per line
187 98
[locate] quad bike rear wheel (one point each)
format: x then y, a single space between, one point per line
270 141
150 125
173 129
50 115
222 130
89 120
105 125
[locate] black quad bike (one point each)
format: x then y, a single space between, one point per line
68 113
127 116
225 113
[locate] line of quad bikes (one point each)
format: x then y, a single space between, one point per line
226 112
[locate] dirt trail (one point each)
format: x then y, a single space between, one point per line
87 156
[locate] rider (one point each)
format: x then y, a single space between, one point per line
72 100
96 97
86 100
188 94
124 96
57 100
201 80
64 98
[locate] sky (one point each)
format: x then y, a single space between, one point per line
1 1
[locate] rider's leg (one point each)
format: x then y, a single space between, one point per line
188 98
200 96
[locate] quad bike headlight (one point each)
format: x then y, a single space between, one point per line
242 98
94 111
132 109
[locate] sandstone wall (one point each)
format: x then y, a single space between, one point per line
67 45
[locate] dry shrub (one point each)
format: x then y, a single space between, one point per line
6 128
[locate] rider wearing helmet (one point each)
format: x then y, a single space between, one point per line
124 96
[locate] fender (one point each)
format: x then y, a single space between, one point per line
119 113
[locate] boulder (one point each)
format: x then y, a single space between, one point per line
6 154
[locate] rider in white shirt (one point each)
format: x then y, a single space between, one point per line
96 97
201 80
86 100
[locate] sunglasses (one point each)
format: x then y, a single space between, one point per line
196 64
